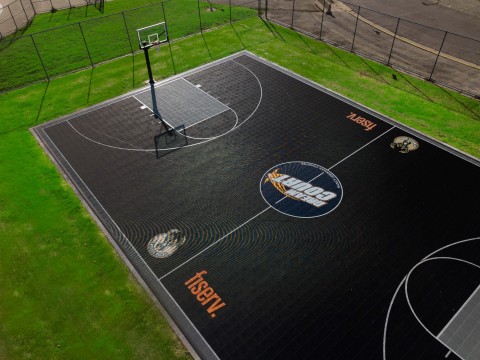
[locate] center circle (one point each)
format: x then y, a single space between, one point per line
301 189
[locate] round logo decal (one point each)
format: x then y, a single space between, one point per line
301 189
164 245
404 144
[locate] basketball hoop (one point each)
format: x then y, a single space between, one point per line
149 36
152 35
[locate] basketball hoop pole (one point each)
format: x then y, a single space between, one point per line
156 113
147 60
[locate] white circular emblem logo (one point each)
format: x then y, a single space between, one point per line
301 189
164 245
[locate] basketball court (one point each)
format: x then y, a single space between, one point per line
277 219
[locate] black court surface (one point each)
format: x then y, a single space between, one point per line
280 220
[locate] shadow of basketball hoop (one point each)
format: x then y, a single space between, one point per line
169 140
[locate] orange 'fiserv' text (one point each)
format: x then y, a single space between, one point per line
367 124
204 293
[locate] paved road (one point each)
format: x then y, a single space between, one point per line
461 17
415 46
15 14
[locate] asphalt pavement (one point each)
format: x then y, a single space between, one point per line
461 17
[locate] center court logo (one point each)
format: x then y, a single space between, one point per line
301 189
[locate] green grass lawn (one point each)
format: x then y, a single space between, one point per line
69 42
65 294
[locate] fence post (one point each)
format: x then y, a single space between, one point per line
33 7
438 55
355 31
200 16
293 12
393 42
266 9
259 12
23 8
321 24
126 29
168 37
40 57
230 6
85 42
13 18
165 19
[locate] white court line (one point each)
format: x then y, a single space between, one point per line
208 247
410 305
246 222
132 247
237 126
145 106
408 277
393 127
444 146
387 317
459 310
196 88
122 98
208 118
331 167
109 146
192 85
206 93
433 142
139 149
198 122
147 89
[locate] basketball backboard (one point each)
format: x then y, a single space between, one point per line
152 35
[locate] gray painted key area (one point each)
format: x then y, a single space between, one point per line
462 334
182 103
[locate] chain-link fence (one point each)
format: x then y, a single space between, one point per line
17 15
436 55
43 6
43 55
